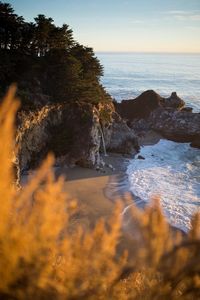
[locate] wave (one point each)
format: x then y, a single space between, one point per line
172 171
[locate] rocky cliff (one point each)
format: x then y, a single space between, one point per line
75 133
81 132
168 116
71 132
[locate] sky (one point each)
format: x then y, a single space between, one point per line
124 25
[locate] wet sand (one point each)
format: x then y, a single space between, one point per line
96 191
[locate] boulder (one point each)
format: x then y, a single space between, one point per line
196 143
187 109
140 157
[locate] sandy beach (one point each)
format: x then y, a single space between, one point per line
96 190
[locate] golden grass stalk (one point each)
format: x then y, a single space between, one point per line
41 257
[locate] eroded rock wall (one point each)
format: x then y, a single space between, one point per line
73 132
69 131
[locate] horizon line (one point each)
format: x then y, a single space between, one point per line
145 52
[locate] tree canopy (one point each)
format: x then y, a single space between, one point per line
43 58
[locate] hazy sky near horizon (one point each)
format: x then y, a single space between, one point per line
124 25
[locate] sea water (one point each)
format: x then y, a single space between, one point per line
170 170
127 75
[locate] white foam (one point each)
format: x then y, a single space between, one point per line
172 171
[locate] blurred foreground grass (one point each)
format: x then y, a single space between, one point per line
42 256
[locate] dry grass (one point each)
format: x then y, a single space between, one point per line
43 257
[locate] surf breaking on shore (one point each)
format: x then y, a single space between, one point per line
170 170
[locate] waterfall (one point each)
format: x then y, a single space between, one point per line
103 140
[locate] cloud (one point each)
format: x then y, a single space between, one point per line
177 12
137 21
195 17
182 15
194 28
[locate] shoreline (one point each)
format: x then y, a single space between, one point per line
97 191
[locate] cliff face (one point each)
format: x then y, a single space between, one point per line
71 132
75 133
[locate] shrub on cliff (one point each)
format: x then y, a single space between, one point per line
44 254
43 58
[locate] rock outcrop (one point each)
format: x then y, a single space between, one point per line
140 107
69 131
176 125
121 138
73 132
149 101
174 102
168 116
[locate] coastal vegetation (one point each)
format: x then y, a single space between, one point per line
46 254
46 62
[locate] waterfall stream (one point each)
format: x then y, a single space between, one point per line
103 140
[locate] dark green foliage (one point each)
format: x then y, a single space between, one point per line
62 75
44 59
10 27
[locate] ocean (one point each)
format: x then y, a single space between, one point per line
128 75
170 170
